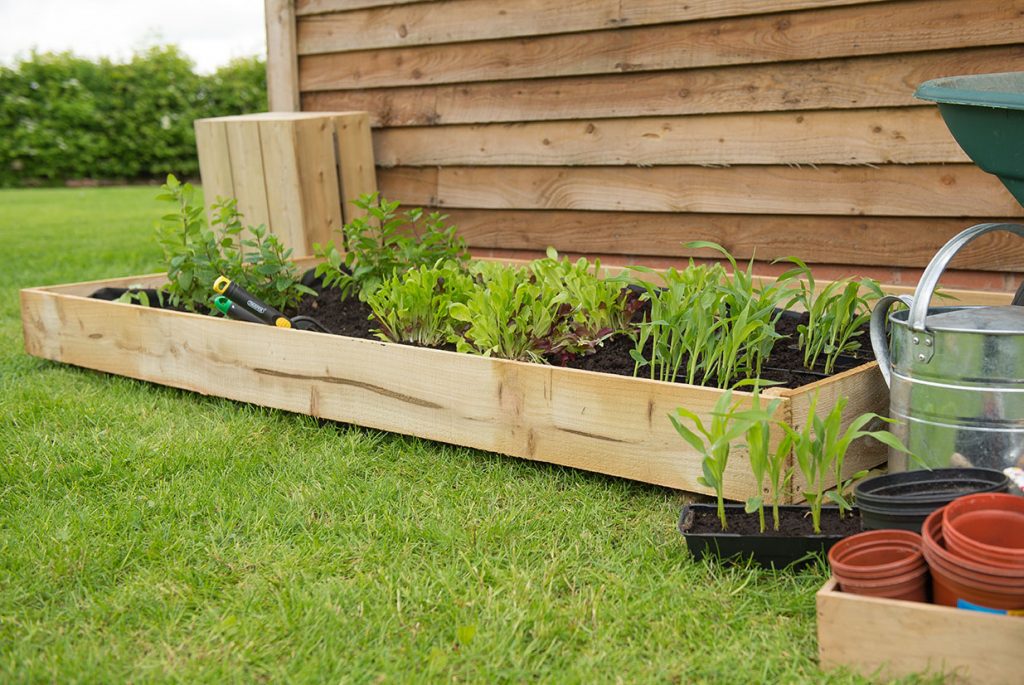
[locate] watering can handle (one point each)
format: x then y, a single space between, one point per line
930 278
879 339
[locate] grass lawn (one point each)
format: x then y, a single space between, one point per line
149 534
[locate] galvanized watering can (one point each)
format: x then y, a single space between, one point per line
955 374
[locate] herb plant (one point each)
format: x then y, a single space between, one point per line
197 255
414 307
713 442
835 315
383 243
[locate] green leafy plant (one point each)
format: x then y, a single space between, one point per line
835 315
722 326
382 243
820 451
413 307
765 463
196 255
512 315
713 442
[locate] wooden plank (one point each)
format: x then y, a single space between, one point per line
308 7
598 422
318 185
880 136
282 55
286 215
214 161
870 241
912 26
919 190
247 170
863 82
454 21
357 172
884 639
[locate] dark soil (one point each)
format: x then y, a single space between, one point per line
792 523
352 318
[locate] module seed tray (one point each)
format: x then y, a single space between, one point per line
609 424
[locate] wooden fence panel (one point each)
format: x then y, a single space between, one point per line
627 127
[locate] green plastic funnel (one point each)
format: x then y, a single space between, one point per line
985 113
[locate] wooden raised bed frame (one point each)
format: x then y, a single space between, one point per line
888 638
598 422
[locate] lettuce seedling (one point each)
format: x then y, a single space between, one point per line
382 243
414 307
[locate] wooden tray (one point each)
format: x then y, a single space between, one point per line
888 638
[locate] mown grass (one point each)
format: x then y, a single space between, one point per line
148 534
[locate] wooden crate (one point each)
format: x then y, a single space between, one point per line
609 424
885 638
297 173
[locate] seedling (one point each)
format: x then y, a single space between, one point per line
382 243
820 450
713 442
763 461
414 307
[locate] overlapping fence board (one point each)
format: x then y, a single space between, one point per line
627 127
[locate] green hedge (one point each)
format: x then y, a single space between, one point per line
64 117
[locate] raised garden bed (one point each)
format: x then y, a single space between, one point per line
600 422
889 638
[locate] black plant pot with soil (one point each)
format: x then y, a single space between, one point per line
795 541
904 500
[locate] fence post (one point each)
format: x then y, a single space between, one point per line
282 56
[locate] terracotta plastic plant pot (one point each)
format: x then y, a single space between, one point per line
911 586
956 581
987 526
934 540
876 554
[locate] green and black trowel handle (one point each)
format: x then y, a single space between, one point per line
238 303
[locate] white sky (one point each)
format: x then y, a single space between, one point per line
211 32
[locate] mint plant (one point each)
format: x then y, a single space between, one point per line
383 243
414 307
196 255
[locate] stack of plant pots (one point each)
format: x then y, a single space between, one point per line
975 548
881 563
903 500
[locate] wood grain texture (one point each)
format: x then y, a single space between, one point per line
912 26
357 171
308 7
862 82
317 185
609 424
453 21
869 241
282 55
214 161
246 154
877 136
918 190
885 639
